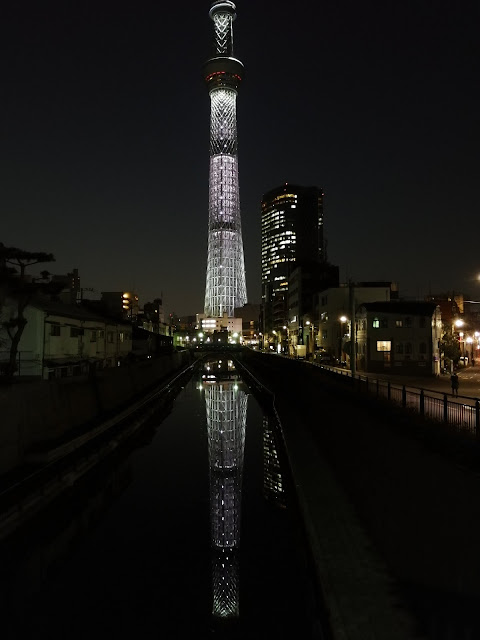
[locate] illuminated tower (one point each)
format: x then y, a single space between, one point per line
225 286
226 419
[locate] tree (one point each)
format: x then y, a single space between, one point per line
450 346
16 285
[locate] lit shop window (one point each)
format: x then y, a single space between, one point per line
384 345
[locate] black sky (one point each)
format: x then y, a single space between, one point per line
105 126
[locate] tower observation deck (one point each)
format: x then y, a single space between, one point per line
225 284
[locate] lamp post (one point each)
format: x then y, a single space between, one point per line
458 324
462 346
343 320
278 338
311 346
353 336
470 342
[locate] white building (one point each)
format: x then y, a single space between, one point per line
210 325
62 340
399 337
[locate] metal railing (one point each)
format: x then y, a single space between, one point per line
461 412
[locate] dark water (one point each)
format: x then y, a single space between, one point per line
190 531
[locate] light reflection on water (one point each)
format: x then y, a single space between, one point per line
226 406
148 544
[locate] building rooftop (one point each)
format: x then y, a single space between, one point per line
412 308
73 311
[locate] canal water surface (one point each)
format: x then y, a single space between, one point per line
190 531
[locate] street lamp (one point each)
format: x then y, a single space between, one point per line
287 349
343 320
278 337
311 346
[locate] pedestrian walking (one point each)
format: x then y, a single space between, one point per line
455 384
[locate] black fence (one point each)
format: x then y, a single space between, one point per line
461 412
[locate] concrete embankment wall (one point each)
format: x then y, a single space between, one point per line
391 506
37 412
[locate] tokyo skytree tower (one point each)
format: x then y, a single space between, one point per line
226 419
225 287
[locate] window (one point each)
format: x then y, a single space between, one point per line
93 337
376 323
121 336
423 347
384 323
399 347
54 329
408 347
101 335
408 322
384 345
110 336
75 332
399 323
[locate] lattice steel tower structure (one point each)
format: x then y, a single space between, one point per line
226 420
225 286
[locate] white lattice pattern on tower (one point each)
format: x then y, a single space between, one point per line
223 32
225 282
226 419
226 407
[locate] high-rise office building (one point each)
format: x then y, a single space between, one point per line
225 282
292 235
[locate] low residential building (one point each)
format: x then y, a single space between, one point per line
399 337
332 321
61 340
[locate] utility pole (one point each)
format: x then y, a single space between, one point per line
353 332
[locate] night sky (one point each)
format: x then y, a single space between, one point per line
105 137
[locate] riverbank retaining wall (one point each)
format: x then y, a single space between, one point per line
42 411
390 503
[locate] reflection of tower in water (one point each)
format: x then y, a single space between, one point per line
273 487
226 419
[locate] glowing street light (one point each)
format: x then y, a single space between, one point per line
343 319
